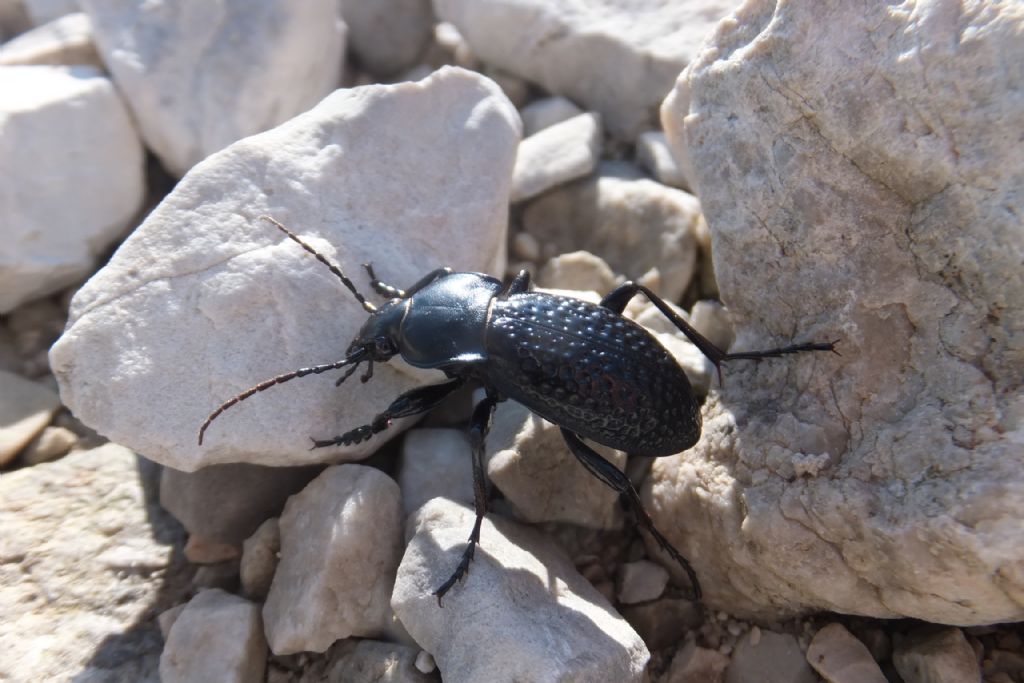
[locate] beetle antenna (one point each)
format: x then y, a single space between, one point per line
356 358
367 306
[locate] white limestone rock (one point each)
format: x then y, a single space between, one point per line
65 40
205 300
557 154
618 57
545 112
217 637
839 657
65 198
654 154
340 546
435 462
86 559
578 270
259 559
636 225
522 613
929 656
640 581
388 35
199 76
856 177
26 408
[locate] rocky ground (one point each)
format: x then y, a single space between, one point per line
851 518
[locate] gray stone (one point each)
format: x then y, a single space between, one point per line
635 224
259 559
654 154
518 612
770 658
929 656
839 657
692 664
388 35
204 299
555 155
641 581
618 57
227 503
340 547
67 197
857 180
366 661
198 77
435 462
87 557
65 40
547 112
26 408
217 637
661 623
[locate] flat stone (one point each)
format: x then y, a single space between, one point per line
773 658
26 408
217 637
618 57
65 40
930 656
195 86
202 301
87 558
340 547
578 270
839 657
517 613
635 224
641 581
51 444
693 664
555 155
366 661
67 197
545 112
835 216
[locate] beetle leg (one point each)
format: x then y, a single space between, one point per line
481 424
413 402
614 478
381 288
519 285
617 299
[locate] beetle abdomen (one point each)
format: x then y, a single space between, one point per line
590 370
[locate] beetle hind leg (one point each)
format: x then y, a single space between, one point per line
480 425
615 479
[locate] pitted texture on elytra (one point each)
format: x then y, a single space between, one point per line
592 371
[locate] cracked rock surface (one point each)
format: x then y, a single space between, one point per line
886 482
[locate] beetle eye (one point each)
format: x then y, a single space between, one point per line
384 346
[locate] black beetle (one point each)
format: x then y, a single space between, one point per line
582 366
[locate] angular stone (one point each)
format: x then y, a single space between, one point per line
340 547
555 155
259 559
52 443
635 224
577 270
217 637
366 661
641 581
547 112
856 177
65 40
198 77
773 658
517 613
87 558
839 657
66 197
929 656
694 664
202 302
654 154
618 57
435 462
388 35
26 407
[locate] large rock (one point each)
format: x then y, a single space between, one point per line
64 198
205 300
87 558
199 76
618 57
522 613
341 540
858 182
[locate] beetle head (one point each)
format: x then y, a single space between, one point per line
378 338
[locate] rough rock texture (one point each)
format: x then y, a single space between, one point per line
858 183
557 154
522 613
259 559
929 656
769 658
694 664
199 76
388 35
545 112
340 546
618 57
530 462
367 661
839 657
64 198
227 503
635 224
217 637
204 299
66 40
26 407
87 561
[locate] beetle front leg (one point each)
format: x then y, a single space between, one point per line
410 403
617 481
480 425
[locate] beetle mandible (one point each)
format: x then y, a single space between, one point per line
582 366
